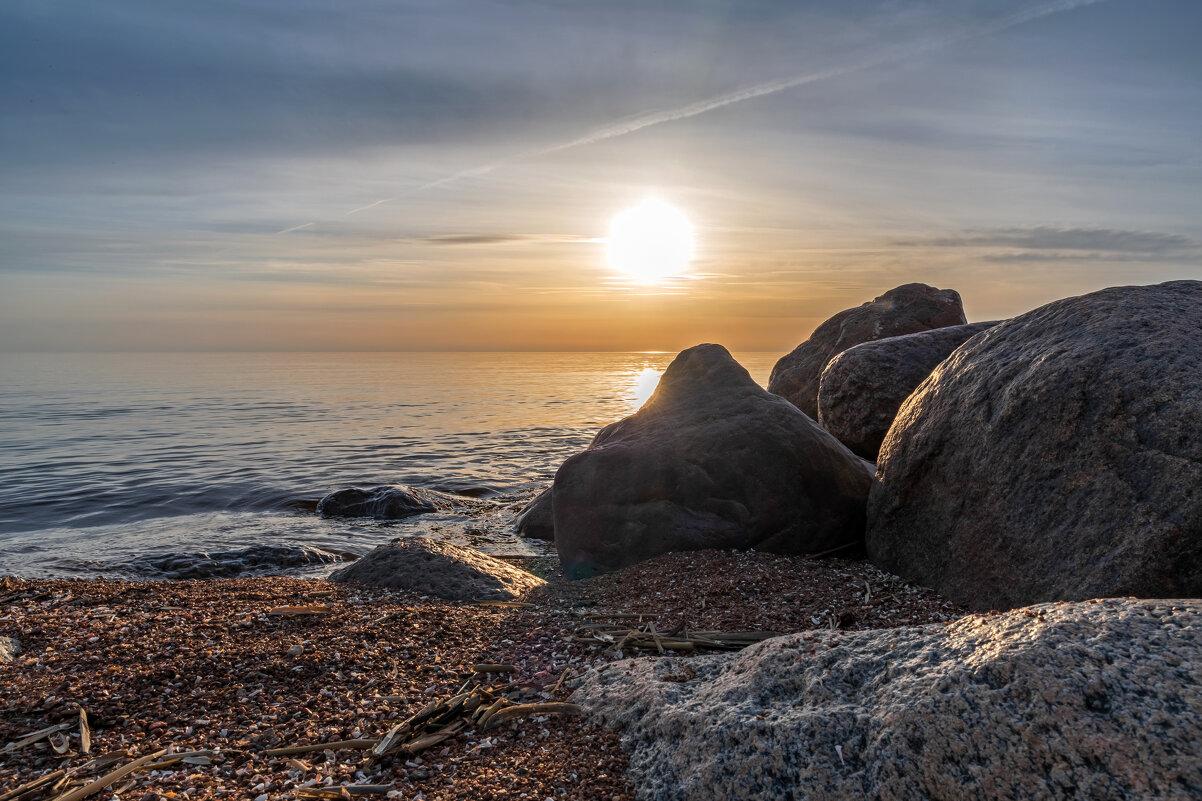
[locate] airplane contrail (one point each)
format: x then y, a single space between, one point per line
641 121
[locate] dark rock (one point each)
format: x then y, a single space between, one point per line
537 520
1057 456
907 309
1063 701
710 461
863 387
391 503
434 567
250 561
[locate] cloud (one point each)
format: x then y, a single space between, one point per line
633 124
1041 238
1038 257
500 239
473 239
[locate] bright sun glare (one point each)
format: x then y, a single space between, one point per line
650 242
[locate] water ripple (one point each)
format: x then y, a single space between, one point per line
105 458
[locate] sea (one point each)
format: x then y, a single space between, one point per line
199 465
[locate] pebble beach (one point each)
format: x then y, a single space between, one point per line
266 688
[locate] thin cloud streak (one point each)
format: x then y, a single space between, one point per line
1115 240
639 122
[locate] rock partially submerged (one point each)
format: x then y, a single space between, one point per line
906 309
1059 701
250 561
863 387
9 648
710 461
1057 456
392 502
537 520
433 567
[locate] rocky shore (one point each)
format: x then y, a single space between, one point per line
1003 604
224 672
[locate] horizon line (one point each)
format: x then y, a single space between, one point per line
377 350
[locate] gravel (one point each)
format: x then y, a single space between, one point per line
745 590
198 665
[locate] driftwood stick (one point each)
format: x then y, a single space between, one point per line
521 710
308 749
490 711
110 778
41 781
33 737
562 677
349 789
85 732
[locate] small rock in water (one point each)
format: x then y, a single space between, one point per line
394 503
537 519
253 560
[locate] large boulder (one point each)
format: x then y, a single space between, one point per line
907 309
537 519
1099 700
710 461
392 502
433 567
863 387
1057 456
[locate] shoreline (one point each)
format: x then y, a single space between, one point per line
205 665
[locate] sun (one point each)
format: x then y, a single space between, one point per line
650 242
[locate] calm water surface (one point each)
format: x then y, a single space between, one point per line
169 465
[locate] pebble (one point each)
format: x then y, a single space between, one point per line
156 639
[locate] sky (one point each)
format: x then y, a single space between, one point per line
442 174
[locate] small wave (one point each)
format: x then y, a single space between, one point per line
253 560
308 505
477 491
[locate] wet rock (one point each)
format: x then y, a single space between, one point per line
537 520
710 461
9 648
392 502
1060 701
863 387
907 309
249 561
433 567
1056 456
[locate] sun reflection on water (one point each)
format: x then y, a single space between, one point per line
645 383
